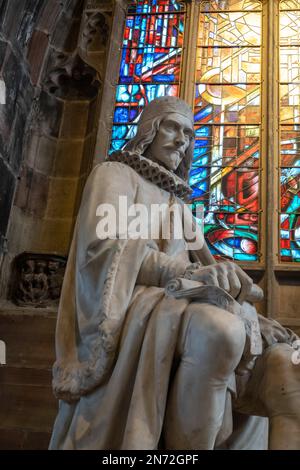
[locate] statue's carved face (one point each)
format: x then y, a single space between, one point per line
171 141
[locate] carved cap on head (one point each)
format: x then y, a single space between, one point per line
166 105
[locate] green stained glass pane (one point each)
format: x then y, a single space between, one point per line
217 5
290 28
290 146
229 29
227 104
290 4
290 64
290 103
228 65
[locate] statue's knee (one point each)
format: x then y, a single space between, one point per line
281 384
232 338
217 333
278 363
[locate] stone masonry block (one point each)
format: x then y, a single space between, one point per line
75 118
62 193
68 158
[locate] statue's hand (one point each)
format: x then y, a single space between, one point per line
274 332
227 275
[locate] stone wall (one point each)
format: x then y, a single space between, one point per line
17 21
52 62
54 55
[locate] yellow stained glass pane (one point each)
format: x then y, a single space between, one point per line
228 65
290 64
229 29
238 104
227 146
290 28
290 4
290 103
228 5
290 146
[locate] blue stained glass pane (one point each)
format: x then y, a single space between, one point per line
125 80
198 174
290 255
163 78
294 205
202 186
202 131
133 114
121 115
285 234
123 94
132 130
201 151
201 143
143 32
199 161
203 113
296 254
119 132
224 249
116 145
234 242
244 257
124 131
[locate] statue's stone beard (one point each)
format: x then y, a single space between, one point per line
177 160
153 171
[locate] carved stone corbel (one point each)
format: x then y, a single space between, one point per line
95 32
68 76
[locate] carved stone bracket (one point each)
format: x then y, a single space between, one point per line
37 279
95 32
68 76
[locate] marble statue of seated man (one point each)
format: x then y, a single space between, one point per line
137 368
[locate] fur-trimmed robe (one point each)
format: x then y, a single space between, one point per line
116 331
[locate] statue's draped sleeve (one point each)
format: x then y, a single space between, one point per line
100 278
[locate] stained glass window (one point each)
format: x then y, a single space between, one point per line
227 72
290 131
150 62
225 173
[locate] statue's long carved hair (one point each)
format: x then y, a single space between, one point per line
145 135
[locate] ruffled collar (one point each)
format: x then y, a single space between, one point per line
153 172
